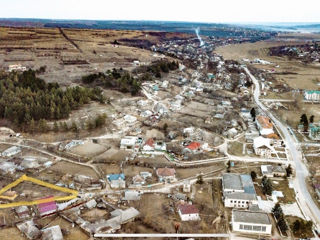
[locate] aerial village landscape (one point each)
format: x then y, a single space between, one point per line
136 131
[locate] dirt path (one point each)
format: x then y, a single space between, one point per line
69 40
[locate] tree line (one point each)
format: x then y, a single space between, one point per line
126 82
28 100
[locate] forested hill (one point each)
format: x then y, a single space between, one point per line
26 99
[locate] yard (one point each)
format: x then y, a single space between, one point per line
283 186
305 233
235 148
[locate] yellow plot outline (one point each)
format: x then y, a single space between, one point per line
23 178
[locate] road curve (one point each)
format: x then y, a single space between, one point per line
307 204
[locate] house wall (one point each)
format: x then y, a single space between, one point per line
264 152
126 147
230 190
167 179
262 130
279 174
118 184
189 217
313 96
152 152
248 228
11 152
238 203
268 175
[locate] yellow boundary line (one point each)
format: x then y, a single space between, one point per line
23 178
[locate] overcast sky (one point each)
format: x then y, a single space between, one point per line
172 10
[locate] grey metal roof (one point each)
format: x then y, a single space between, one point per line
250 217
238 182
232 181
241 196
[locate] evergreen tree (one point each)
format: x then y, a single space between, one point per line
311 119
55 127
277 211
32 126
304 121
289 170
253 114
253 175
74 127
266 185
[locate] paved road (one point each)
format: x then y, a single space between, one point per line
307 204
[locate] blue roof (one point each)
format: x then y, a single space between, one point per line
112 177
247 184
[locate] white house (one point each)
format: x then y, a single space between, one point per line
238 190
251 222
11 151
130 143
188 212
186 186
52 233
264 125
16 67
262 147
273 171
312 95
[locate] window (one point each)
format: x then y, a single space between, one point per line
264 229
248 227
241 226
231 201
257 228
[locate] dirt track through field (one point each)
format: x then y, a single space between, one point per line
69 40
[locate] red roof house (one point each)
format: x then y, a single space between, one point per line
188 212
166 174
194 146
149 145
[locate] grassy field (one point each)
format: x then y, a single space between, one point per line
235 148
82 52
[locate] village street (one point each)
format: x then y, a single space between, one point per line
306 202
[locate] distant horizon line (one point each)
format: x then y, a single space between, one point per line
170 21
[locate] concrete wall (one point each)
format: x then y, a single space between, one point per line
236 226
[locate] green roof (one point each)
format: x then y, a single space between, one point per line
312 91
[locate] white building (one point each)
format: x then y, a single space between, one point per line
130 143
186 186
52 233
238 190
264 125
312 95
116 180
11 151
73 143
262 147
273 171
251 222
16 67
188 212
